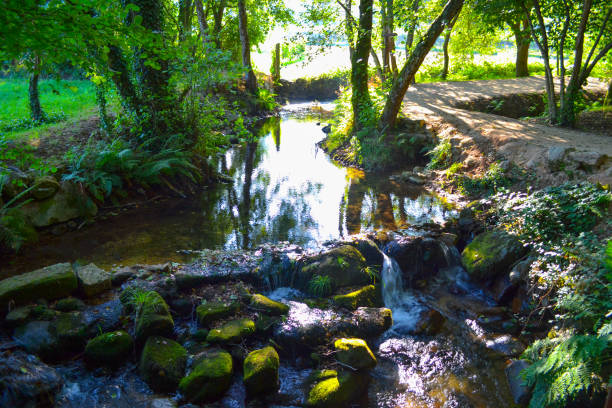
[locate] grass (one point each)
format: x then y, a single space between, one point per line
471 71
71 99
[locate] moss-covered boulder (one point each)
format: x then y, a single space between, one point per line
491 254
333 389
372 321
109 349
153 317
261 371
72 331
44 187
344 265
38 337
162 363
69 304
24 314
52 282
210 379
354 353
210 312
233 331
368 296
93 280
268 306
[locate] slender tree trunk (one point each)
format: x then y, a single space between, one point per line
391 38
276 64
523 40
184 19
349 27
218 22
121 78
406 75
411 27
359 67
447 37
250 79
379 68
202 22
35 109
385 33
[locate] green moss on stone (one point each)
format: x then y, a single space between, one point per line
109 349
211 312
69 304
261 371
367 296
72 331
53 282
162 363
491 254
153 317
232 332
344 265
210 378
355 353
336 391
268 306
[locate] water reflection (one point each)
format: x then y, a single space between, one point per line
284 189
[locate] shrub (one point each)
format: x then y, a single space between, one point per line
320 286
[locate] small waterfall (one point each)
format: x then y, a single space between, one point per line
391 282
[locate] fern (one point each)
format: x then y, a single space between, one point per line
320 286
565 369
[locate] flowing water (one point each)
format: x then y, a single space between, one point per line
284 189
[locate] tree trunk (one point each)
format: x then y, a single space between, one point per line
184 19
202 22
35 109
411 27
523 40
385 33
121 79
250 79
359 67
348 27
379 68
218 22
406 75
276 64
445 50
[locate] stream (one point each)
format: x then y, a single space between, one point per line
285 189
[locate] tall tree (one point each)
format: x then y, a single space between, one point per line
447 36
250 79
35 109
406 75
361 101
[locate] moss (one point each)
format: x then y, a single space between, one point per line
355 353
491 254
153 318
200 335
109 349
261 371
268 306
162 363
232 332
336 390
211 312
210 378
72 331
367 296
69 304
53 282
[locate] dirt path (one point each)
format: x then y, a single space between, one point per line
479 138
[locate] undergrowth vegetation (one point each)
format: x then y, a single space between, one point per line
568 228
467 71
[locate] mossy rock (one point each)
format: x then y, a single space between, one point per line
355 353
368 296
268 306
93 280
336 390
491 254
211 312
52 282
154 318
345 266
232 332
210 379
200 335
72 331
261 371
44 187
24 314
109 349
69 304
162 363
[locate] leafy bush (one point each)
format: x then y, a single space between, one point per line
492 181
441 155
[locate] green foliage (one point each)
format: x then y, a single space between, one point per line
468 71
320 286
266 100
493 180
565 369
441 155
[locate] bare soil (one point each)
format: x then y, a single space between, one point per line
479 138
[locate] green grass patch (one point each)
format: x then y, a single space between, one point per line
60 100
471 71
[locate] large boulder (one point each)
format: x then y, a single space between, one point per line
27 382
261 371
210 379
354 353
344 266
162 363
93 280
371 322
72 332
491 254
521 393
332 389
68 203
153 317
268 306
44 187
232 332
24 314
210 312
109 349
52 282
419 258
37 337
367 296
